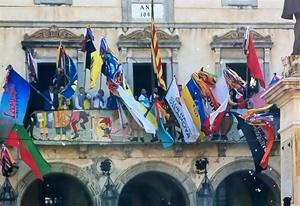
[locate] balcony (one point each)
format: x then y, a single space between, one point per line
110 127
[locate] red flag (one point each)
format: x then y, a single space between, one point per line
253 64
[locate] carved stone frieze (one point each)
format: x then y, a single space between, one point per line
52 33
51 37
141 38
234 39
291 66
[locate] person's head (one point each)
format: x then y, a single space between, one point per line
180 87
101 92
31 78
81 90
61 89
50 88
143 92
155 90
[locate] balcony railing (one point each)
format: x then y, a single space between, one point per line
110 127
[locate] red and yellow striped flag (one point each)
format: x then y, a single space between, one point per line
156 60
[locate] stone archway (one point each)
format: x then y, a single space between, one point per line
76 176
239 177
161 170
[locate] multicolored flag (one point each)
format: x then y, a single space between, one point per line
19 138
193 100
72 76
111 67
181 113
15 97
165 137
156 60
260 138
30 64
7 162
93 60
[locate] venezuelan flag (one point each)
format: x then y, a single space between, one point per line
193 100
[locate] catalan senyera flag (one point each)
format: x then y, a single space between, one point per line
156 60
18 137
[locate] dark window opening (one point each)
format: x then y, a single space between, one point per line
46 74
242 70
142 78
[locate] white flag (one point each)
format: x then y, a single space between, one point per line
181 113
135 111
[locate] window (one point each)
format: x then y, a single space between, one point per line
239 3
142 73
53 2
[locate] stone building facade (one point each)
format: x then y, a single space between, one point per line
193 34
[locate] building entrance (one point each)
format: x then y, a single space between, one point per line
247 189
153 188
57 189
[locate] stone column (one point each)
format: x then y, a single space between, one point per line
286 94
217 60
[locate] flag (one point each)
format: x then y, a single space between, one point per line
221 92
276 78
156 60
93 61
14 98
7 162
193 100
72 76
253 64
149 115
111 67
29 153
181 113
165 137
30 64
260 139
60 58
135 111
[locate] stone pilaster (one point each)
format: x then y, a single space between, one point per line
286 94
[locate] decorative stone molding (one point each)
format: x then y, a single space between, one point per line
53 2
182 178
291 66
241 165
51 37
84 175
141 39
234 39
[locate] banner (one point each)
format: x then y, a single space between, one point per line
181 113
15 98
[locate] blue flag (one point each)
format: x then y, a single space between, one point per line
71 73
15 98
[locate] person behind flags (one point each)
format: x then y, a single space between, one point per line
50 99
144 99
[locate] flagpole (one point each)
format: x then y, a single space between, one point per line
152 62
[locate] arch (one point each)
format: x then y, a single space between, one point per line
241 165
184 181
84 178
